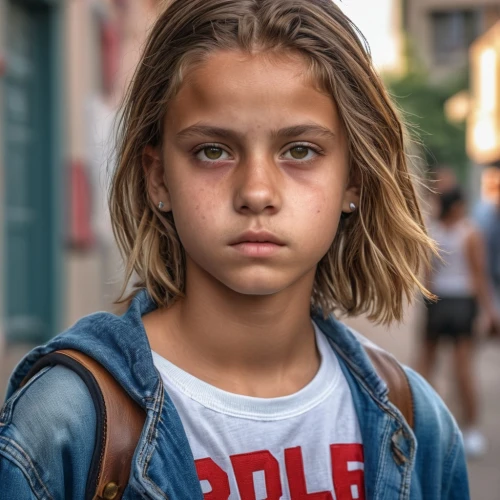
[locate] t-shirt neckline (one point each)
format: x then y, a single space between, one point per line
237 405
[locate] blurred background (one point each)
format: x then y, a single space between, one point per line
64 68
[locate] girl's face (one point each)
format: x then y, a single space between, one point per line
254 168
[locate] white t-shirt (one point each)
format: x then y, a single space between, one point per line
451 276
272 448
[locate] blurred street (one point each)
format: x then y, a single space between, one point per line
402 342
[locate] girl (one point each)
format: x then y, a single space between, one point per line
262 184
460 281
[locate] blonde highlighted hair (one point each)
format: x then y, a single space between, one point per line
376 258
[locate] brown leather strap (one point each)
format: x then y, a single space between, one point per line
122 429
395 377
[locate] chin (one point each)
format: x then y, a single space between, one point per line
257 291
256 286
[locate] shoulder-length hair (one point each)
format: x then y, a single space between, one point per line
375 260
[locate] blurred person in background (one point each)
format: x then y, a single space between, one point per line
443 179
487 217
460 282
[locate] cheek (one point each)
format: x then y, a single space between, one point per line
196 210
320 217
323 203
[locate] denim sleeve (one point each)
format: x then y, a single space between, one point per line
47 437
440 465
15 484
458 483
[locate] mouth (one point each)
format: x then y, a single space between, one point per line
257 244
257 237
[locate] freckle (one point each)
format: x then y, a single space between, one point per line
318 211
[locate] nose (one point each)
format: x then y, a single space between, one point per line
258 187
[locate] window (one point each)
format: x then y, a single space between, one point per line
453 32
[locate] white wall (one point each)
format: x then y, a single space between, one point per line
380 23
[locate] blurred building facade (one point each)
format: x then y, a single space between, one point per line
483 117
64 67
439 36
440 32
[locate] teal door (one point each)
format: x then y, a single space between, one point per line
31 187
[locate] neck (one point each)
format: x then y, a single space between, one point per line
239 342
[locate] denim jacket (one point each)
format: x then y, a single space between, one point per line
48 427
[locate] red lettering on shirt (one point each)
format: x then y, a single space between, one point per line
347 467
297 478
246 464
348 471
208 470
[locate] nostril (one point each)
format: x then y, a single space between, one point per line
256 199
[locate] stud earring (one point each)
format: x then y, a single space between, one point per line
352 206
161 205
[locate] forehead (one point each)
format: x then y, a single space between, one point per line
264 89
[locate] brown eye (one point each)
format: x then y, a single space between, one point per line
213 153
299 152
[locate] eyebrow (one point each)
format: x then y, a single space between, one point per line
294 131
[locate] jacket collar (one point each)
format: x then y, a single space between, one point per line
349 346
114 341
111 339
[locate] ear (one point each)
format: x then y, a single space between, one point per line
351 195
155 177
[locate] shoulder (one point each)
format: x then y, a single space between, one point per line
440 457
472 235
439 469
89 334
470 227
430 410
44 433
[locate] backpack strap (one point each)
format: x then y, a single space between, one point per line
119 423
390 370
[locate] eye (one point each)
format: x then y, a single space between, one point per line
212 153
300 152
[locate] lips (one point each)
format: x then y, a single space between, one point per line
257 237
